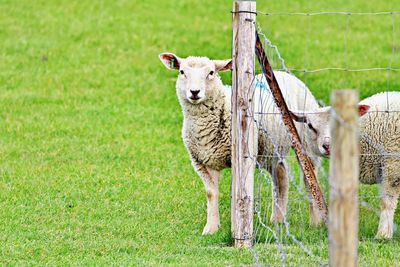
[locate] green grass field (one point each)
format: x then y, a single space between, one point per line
92 167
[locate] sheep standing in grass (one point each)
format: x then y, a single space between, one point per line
206 132
206 106
379 149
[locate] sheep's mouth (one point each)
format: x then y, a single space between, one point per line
194 99
325 153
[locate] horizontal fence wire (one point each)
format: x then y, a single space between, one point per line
328 13
331 68
343 69
318 112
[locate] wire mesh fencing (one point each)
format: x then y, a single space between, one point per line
288 230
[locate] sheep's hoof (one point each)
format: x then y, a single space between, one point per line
210 229
384 234
315 222
315 219
277 218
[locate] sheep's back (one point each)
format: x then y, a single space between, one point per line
273 134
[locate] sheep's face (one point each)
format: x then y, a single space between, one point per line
197 75
317 128
317 131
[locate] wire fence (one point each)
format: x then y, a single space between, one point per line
283 232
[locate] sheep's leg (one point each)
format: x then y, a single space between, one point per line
283 184
389 198
212 191
315 217
279 192
210 180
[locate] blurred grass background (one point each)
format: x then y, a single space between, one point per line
92 167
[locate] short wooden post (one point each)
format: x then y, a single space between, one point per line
343 180
243 144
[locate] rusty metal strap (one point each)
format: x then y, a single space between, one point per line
310 178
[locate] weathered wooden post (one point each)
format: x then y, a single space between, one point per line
243 144
343 180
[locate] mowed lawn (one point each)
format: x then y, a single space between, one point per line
92 167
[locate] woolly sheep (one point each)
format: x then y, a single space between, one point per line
379 149
275 143
206 106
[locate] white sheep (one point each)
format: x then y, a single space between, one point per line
206 106
206 132
379 149
275 143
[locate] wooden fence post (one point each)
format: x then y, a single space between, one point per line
343 180
243 144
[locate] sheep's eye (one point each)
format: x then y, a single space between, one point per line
211 72
181 72
311 127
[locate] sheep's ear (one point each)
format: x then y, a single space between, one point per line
298 117
170 60
223 65
362 109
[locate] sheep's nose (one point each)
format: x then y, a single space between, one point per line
326 146
195 92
